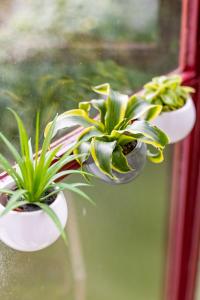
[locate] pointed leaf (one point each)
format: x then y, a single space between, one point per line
22 134
11 148
6 166
103 89
85 106
100 105
119 161
138 108
155 157
67 172
84 147
14 202
74 188
74 117
116 109
154 135
37 136
101 152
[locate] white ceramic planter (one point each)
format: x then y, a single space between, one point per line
32 231
177 124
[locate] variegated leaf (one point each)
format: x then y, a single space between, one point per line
119 161
101 152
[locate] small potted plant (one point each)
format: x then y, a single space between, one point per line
178 113
33 211
115 142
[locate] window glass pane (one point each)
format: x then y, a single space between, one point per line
51 53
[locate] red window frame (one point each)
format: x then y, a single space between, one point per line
184 223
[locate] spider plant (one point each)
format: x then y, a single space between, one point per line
118 123
167 92
35 176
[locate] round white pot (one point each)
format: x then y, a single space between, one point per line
32 231
136 159
177 124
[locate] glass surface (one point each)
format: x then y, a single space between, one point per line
51 53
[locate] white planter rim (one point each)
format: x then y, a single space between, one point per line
177 124
179 110
28 213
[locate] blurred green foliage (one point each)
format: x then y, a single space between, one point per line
54 86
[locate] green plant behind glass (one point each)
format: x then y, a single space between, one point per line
118 124
35 176
167 91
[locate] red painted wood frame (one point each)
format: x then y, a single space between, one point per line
184 227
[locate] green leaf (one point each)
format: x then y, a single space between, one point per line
153 112
12 149
124 139
100 105
41 172
154 135
169 99
103 89
74 117
101 152
155 157
138 108
188 89
84 106
14 202
21 168
119 161
84 147
4 163
49 211
89 133
40 169
22 134
67 172
25 151
6 191
122 125
57 166
37 136
116 109
73 187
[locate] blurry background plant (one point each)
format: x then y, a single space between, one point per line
56 86
33 22
167 91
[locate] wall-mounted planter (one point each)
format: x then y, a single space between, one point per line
32 231
177 124
136 159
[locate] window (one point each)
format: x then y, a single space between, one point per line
52 53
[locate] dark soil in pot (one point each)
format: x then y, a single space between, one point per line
129 147
31 206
